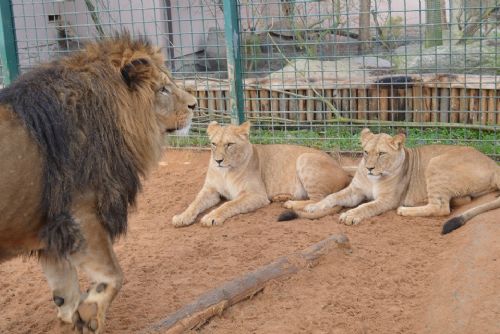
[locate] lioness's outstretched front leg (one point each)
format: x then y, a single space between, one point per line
63 281
206 198
367 210
350 196
245 202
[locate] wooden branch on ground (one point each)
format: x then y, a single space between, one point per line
215 301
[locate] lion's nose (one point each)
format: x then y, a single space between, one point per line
192 106
370 169
219 161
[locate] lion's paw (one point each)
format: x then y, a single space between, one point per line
407 211
311 208
88 319
281 198
348 218
401 211
293 205
181 220
210 220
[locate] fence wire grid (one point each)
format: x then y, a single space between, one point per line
310 72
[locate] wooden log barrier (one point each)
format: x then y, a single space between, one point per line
215 301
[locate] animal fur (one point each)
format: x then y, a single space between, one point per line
82 115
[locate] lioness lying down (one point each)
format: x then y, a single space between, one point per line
250 176
418 181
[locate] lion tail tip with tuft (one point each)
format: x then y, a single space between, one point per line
453 224
288 215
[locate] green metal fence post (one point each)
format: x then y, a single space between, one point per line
8 47
433 24
233 55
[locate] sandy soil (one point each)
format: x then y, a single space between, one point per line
402 276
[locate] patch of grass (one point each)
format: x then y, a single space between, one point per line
346 138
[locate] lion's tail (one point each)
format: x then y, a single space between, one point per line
459 221
293 214
62 235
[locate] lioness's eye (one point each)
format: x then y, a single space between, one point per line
366 152
165 90
214 144
381 153
229 144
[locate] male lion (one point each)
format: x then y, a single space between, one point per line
76 135
419 182
250 176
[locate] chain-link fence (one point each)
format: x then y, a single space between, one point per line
312 72
1 74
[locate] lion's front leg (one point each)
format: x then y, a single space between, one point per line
244 203
206 198
63 281
297 205
367 210
349 197
99 262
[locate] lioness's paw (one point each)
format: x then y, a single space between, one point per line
311 208
181 220
348 218
403 211
294 205
210 220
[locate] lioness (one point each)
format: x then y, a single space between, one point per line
418 181
250 176
76 136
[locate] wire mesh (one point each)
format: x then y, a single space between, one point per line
1 74
314 71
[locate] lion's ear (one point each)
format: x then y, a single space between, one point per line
212 127
136 72
245 128
398 140
365 136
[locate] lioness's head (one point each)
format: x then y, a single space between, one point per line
230 144
383 154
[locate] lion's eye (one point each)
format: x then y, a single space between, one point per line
165 90
365 152
381 153
229 144
214 144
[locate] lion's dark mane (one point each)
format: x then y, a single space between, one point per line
71 115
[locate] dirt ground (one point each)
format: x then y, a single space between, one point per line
401 277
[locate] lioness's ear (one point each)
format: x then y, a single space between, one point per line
212 127
245 128
136 72
398 140
365 136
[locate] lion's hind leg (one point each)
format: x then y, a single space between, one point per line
431 209
63 281
440 187
459 201
320 175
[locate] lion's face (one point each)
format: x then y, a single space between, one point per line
174 107
230 144
383 155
